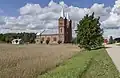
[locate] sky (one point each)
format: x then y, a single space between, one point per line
11 7
37 15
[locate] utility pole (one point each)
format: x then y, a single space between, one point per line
41 34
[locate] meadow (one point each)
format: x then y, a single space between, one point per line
29 61
87 64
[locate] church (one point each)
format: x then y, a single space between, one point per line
64 31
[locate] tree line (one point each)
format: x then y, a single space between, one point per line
26 37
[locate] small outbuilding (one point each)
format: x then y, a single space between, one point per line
17 41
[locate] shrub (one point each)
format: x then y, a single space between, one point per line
59 41
47 41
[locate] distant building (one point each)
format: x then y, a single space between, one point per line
17 41
117 40
64 31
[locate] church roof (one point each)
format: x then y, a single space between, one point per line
49 32
16 39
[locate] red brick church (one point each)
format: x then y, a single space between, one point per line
64 31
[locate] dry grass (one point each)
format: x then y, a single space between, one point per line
28 61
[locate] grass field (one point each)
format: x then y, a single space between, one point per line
29 61
87 64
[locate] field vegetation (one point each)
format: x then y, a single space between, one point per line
29 61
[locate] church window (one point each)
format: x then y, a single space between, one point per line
43 39
37 40
67 32
61 23
54 39
61 30
48 38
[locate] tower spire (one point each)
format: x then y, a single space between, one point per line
67 16
62 11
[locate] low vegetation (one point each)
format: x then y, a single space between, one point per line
28 61
88 64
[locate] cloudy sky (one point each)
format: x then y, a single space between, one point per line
37 15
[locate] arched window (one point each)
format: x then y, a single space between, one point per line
43 39
61 30
48 38
54 39
37 40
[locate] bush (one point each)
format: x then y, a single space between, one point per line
41 42
47 41
59 41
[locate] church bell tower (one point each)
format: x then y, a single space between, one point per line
65 27
61 27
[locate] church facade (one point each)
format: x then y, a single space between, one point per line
64 31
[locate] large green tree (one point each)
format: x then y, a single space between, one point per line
89 33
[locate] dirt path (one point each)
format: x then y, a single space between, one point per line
114 53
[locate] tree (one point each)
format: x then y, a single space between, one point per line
2 38
26 37
111 41
89 33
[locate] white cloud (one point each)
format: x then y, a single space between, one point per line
116 8
34 18
113 22
30 9
2 20
101 10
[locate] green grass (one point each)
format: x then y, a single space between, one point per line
87 64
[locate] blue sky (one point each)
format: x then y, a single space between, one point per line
11 7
